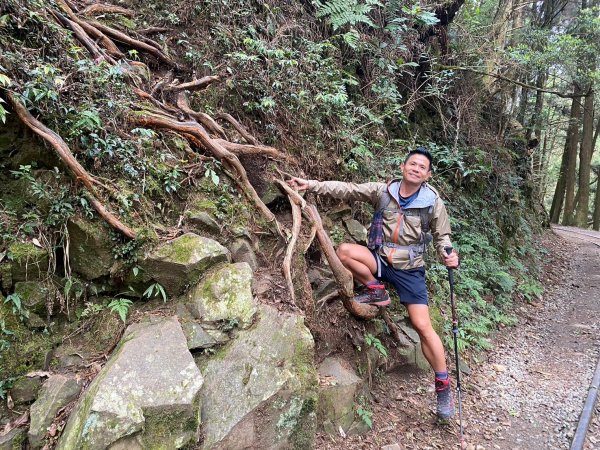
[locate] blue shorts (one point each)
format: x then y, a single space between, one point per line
409 284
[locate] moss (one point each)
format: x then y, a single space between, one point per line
303 435
164 431
180 250
22 252
27 349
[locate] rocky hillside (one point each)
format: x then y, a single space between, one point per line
160 287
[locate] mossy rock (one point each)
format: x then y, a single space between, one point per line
27 349
224 296
260 390
35 295
178 263
28 261
147 392
90 252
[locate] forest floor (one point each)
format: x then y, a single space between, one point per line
528 391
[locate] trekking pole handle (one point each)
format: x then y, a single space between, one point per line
450 271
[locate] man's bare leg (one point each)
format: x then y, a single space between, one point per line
430 341
359 260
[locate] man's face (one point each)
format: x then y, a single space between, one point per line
416 170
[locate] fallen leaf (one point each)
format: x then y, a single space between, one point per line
499 367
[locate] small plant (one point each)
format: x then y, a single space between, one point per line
121 307
91 309
16 302
362 411
5 386
230 325
337 235
376 343
154 290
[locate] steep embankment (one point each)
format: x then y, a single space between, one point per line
131 195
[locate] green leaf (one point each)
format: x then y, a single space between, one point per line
4 80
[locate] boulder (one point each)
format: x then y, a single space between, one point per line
28 262
34 295
242 251
25 389
148 393
224 296
356 230
57 392
13 440
180 262
412 354
90 250
338 386
260 390
203 221
339 212
197 337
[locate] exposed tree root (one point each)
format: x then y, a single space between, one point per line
195 85
341 274
240 128
81 36
134 43
63 151
153 30
243 149
208 122
144 95
226 157
91 31
395 331
297 203
101 8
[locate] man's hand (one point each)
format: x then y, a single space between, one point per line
451 260
298 184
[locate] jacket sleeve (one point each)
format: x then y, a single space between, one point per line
440 228
365 192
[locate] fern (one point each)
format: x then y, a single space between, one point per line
347 12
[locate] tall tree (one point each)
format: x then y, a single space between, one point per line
571 148
585 159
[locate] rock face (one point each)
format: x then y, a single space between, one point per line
147 393
356 230
242 251
34 295
260 390
91 248
338 387
412 354
224 296
57 392
29 263
181 261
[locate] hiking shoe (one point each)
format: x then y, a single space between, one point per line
375 294
445 400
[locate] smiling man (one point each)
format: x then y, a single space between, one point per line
409 213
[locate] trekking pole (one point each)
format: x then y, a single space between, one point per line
455 333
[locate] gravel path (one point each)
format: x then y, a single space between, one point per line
525 394
539 377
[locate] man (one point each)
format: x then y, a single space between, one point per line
397 240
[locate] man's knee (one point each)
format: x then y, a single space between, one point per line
344 251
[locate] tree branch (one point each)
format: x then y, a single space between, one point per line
63 151
509 80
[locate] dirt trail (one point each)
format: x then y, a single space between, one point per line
528 392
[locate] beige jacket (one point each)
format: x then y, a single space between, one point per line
398 228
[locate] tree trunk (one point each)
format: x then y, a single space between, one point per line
571 150
596 222
559 191
585 154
